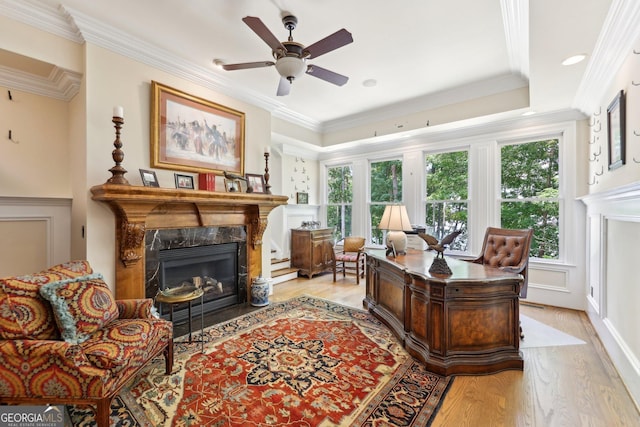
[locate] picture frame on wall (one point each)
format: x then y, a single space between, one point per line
149 178
192 134
255 183
302 198
184 181
616 131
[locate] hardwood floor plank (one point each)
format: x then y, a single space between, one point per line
571 385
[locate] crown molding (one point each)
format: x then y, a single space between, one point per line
468 129
619 32
515 17
47 18
60 84
434 100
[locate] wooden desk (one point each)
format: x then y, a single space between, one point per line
466 323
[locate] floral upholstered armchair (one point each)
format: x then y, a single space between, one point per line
64 339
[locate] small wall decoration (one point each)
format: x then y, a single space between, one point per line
302 198
184 181
149 178
194 135
616 125
255 183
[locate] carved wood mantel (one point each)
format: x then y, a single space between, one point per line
138 209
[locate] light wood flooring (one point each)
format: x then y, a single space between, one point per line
563 386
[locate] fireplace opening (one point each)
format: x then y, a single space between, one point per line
214 268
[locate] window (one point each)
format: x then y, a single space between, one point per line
339 200
386 188
447 177
530 196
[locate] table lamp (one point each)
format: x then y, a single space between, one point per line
396 221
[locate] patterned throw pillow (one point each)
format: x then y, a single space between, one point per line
81 306
24 314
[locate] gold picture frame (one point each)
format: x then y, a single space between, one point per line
192 134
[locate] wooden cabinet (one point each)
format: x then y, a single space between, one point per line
312 250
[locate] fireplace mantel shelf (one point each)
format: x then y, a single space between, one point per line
114 193
138 209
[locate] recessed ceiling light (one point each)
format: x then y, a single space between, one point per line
528 113
369 83
574 59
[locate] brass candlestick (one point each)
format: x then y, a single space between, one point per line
266 174
117 171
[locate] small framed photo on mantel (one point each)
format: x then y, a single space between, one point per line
149 178
255 183
184 181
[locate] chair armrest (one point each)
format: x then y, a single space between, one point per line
38 354
135 308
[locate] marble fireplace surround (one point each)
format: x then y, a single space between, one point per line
138 209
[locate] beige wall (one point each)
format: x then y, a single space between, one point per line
37 166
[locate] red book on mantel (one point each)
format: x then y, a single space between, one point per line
207 181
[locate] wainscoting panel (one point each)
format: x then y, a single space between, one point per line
36 233
612 253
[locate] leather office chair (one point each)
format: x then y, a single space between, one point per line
508 250
352 253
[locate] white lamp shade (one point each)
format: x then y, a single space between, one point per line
395 218
290 66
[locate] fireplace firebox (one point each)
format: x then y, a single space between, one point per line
211 258
214 268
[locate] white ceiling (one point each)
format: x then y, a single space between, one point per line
414 49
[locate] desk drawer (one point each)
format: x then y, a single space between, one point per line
484 290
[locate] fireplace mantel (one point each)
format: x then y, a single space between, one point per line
138 209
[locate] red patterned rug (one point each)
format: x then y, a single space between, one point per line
304 362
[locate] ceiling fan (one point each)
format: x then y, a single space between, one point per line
291 57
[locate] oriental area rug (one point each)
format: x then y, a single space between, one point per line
304 362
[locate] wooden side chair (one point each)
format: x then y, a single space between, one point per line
508 249
351 258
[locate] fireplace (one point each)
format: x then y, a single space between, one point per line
213 258
141 212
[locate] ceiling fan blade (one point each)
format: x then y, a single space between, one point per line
284 87
244 66
263 32
326 75
334 41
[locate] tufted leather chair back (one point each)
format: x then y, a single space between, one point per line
507 249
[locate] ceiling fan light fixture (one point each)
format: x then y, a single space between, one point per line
290 67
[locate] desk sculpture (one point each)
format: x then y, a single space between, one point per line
439 265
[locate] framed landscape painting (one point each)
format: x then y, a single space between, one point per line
192 134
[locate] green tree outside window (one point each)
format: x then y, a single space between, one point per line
530 195
386 188
339 200
447 181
